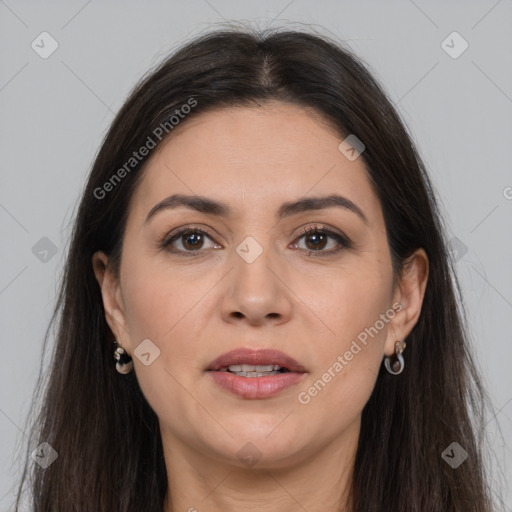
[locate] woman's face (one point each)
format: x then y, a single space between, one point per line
255 281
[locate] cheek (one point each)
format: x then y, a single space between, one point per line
151 306
158 298
343 304
162 306
354 309
167 306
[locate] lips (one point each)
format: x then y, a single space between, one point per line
250 383
261 357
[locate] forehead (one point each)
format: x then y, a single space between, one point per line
252 158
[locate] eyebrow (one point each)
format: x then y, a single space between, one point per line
209 206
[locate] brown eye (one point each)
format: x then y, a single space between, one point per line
191 240
317 239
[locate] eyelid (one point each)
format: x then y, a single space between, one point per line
318 227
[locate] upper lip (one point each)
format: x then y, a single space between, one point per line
258 357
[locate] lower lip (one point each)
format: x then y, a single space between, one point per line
256 387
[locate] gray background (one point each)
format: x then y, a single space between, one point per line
55 111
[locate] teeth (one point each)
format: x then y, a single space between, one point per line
256 374
251 370
235 368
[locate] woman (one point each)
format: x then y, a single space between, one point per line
258 310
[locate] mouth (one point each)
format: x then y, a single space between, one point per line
255 363
256 374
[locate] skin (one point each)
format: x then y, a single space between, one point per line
310 307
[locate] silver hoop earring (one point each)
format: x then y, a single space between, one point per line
124 363
397 365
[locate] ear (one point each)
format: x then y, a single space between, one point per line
409 293
112 300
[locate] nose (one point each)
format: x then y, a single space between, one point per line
257 292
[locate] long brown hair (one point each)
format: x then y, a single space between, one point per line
105 433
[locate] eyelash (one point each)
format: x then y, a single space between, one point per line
343 242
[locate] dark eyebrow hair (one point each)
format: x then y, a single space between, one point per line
218 208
